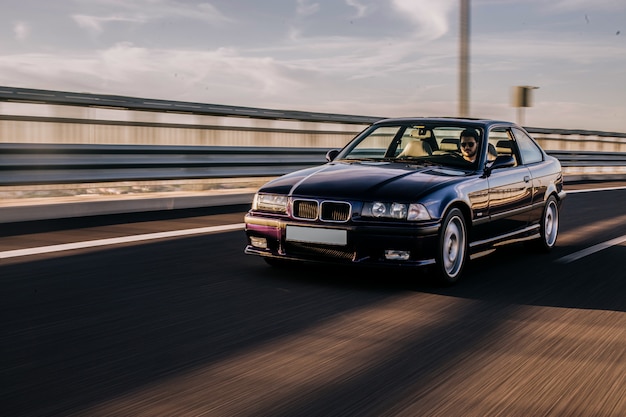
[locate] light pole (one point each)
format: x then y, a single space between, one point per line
464 28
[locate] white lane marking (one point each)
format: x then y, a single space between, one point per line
588 190
118 240
591 250
600 246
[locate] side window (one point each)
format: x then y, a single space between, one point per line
501 143
529 150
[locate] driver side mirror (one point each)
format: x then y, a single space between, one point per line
331 155
501 161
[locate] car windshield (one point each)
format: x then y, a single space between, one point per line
412 143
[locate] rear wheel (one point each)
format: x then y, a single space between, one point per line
452 247
549 227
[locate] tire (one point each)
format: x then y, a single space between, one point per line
452 248
549 226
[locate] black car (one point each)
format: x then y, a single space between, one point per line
402 193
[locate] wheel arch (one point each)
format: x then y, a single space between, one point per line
465 210
555 188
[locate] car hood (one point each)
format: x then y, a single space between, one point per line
369 180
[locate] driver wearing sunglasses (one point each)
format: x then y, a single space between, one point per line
469 144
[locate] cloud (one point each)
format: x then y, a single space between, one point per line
21 31
361 9
556 5
305 8
542 49
127 69
432 18
585 5
95 24
144 11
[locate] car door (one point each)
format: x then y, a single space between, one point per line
532 157
510 189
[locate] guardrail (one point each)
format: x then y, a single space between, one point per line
30 95
578 159
38 164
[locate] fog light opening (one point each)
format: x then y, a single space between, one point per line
258 242
397 255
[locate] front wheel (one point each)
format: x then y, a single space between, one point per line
452 247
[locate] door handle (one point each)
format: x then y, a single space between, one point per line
526 178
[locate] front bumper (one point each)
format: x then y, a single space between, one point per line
368 244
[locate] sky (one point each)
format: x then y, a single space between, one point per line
387 58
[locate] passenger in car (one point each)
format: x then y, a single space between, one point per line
469 144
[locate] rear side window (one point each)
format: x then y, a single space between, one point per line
501 143
529 150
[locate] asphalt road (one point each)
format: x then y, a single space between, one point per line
190 326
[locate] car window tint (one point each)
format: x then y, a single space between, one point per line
502 142
529 150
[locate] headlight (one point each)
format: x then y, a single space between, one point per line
399 211
378 209
275 203
417 212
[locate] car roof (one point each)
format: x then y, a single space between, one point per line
464 121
